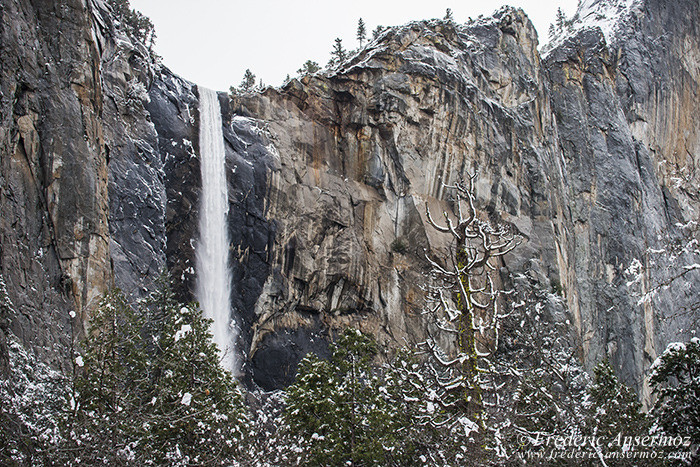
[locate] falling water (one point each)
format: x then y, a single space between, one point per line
213 273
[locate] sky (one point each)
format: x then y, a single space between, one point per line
213 42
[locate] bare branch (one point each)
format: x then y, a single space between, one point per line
433 223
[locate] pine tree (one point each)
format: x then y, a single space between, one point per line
309 68
151 388
248 82
448 15
675 379
339 53
112 384
612 410
343 412
560 20
378 31
615 405
361 31
198 413
137 26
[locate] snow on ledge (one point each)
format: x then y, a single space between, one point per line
608 15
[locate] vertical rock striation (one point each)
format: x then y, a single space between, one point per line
54 237
627 118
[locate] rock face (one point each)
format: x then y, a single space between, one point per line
627 120
360 153
577 153
580 153
54 238
573 152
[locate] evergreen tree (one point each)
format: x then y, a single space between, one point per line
560 20
343 412
248 82
137 26
339 53
112 385
448 15
361 31
309 68
378 31
198 414
151 390
615 406
675 379
612 410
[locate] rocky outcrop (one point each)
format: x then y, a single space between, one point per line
360 153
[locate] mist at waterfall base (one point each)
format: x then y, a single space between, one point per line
212 251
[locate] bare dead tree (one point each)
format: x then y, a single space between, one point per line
463 302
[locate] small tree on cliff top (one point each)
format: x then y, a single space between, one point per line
248 81
136 25
339 54
378 31
448 15
361 32
309 68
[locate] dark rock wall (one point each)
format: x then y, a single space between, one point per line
249 162
627 118
136 175
172 108
54 239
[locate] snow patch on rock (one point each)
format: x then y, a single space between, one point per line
610 16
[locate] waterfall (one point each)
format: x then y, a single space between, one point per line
213 272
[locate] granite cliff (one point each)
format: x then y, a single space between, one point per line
588 153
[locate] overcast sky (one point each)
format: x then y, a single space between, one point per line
212 42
